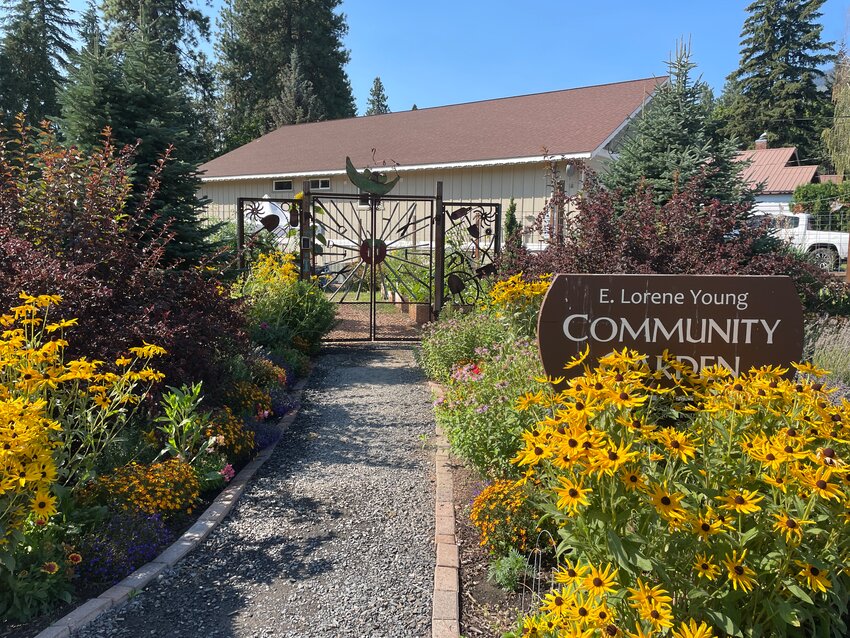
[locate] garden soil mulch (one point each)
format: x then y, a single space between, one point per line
485 609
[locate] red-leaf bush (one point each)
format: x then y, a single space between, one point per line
687 235
69 226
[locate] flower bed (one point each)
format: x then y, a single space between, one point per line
653 502
130 389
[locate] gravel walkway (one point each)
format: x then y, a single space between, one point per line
333 537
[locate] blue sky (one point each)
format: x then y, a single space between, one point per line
435 52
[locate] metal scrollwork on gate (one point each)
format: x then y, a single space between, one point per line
471 247
264 221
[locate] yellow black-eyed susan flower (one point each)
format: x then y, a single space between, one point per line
739 574
814 577
557 602
691 629
667 502
571 573
571 494
44 504
601 581
791 528
705 567
741 501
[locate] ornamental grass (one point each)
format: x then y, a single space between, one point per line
691 505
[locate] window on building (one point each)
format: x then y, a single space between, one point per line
283 185
320 184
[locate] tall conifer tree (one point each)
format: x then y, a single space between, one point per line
159 116
139 92
181 28
776 86
297 102
94 96
255 36
377 99
34 52
675 139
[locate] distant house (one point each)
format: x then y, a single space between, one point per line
488 151
779 172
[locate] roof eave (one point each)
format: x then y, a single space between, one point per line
403 169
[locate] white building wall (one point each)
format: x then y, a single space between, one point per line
527 184
773 204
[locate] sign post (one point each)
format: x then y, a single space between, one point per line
733 321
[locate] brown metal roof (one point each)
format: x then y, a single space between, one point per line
565 122
776 169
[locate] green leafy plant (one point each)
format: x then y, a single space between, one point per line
284 310
508 571
40 574
182 424
454 339
477 412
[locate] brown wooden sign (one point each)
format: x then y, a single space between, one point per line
704 320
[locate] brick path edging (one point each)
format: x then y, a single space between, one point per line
445 606
217 511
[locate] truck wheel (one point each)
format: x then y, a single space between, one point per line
825 258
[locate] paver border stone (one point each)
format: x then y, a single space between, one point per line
445 602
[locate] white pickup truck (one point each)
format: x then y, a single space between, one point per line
827 248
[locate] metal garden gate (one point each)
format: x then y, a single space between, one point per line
390 262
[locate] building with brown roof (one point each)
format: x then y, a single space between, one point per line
779 172
492 150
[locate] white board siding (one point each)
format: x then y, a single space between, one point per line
527 184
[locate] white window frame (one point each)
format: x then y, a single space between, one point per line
281 181
320 184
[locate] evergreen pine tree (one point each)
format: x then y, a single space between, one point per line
512 226
94 95
414 108
158 117
255 35
180 27
775 88
297 102
34 51
675 139
377 99
837 137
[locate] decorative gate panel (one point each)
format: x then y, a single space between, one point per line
472 242
390 262
373 256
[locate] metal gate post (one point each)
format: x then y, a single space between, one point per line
439 249
240 234
374 200
305 240
497 243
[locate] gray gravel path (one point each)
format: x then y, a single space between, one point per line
333 537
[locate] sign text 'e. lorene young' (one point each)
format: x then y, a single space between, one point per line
704 320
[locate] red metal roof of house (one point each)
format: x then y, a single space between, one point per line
776 169
568 122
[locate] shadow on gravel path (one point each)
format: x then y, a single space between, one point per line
333 537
